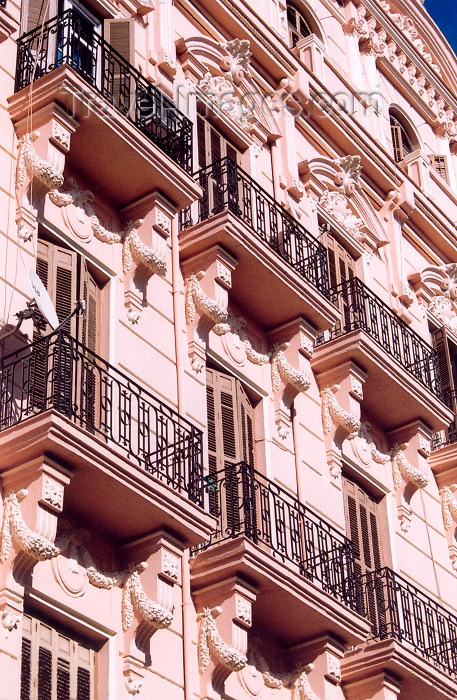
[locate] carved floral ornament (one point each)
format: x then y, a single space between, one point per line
436 289
225 322
449 511
403 472
14 529
211 645
336 202
373 39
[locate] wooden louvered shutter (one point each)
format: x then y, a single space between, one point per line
54 666
88 324
397 142
201 142
119 34
447 365
37 13
56 267
246 427
362 526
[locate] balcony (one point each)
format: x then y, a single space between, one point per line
449 435
413 636
69 63
259 524
403 382
276 254
58 397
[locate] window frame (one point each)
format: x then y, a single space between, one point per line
294 29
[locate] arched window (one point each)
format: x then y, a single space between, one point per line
298 26
401 140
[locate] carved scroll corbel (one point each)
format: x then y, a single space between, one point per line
287 382
407 479
449 511
297 681
210 644
134 598
14 529
196 299
332 412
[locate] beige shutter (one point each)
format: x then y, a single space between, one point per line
119 33
54 664
362 526
37 12
88 323
397 142
439 165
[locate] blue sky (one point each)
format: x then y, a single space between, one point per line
444 13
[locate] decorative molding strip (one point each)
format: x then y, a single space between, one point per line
332 412
282 369
197 299
211 643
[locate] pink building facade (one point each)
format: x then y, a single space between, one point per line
228 469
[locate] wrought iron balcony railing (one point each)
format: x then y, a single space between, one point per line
449 435
227 187
71 40
57 372
363 310
400 610
247 503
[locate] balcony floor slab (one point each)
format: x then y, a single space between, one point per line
296 608
263 284
390 393
105 141
105 482
420 679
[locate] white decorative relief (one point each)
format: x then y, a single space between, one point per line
348 180
236 64
132 684
334 667
210 644
10 621
197 299
449 511
31 165
282 369
403 474
61 135
297 681
170 565
335 203
52 493
133 596
333 413
243 610
223 274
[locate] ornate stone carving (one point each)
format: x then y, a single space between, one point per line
334 667
25 232
133 248
282 369
134 598
52 493
132 684
236 64
61 135
377 456
298 680
402 470
210 644
336 205
29 164
10 621
347 180
449 511
332 412
170 565
14 528
197 299
443 308
243 610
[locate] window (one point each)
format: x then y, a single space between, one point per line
341 264
439 165
66 276
212 146
361 511
55 663
401 141
447 362
297 24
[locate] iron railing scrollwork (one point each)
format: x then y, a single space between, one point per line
247 503
71 40
399 610
227 187
362 310
57 372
